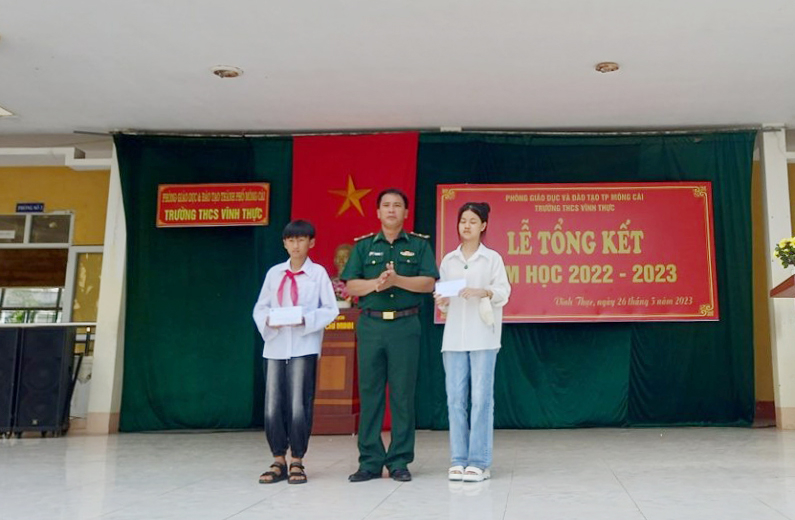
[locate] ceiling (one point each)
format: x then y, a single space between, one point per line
95 66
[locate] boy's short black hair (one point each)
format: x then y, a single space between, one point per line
393 191
298 228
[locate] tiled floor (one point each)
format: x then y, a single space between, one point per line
684 473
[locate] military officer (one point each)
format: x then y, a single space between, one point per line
388 271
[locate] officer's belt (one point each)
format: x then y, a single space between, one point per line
391 315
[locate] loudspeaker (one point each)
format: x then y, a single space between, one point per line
45 376
9 355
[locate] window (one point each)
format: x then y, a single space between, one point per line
31 305
46 279
37 228
12 229
50 229
85 287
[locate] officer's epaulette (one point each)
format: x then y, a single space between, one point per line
363 236
426 237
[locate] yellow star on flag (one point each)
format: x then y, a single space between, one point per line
352 197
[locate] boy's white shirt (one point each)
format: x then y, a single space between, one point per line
315 296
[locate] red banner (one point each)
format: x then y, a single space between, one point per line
336 181
202 205
596 252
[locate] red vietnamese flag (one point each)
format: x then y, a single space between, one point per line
336 181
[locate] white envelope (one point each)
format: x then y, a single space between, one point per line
279 316
450 288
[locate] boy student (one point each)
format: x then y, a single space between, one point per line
292 346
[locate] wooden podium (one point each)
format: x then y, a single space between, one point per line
785 289
336 408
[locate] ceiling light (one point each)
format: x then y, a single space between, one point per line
606 66
5 113
225 71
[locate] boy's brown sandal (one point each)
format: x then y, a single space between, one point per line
271 477
297 474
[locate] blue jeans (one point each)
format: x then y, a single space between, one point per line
289 397
470 445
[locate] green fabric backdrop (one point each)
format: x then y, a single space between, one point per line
192 357
609 374
192 354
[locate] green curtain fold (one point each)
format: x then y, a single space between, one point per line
610 374
192 356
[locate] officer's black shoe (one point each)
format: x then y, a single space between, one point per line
363 475
400 475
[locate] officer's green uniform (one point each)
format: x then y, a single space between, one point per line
389 345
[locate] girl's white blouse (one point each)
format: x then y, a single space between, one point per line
464 329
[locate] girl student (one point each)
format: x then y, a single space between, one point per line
471 341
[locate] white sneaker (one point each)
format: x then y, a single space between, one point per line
475 474
455 473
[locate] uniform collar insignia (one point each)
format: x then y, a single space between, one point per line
401 236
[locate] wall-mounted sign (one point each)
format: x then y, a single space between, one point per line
202 205
8 234
596 252
30 207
